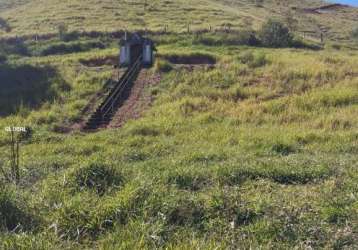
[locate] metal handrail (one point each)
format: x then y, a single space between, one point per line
108 104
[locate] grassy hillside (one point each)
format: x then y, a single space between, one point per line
40 16
260 150
256 151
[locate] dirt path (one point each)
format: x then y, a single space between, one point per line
138 99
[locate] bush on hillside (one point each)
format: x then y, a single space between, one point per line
62 30
355 34
241 37
190 58
72 47
4 25
71 36
299 43
163 66
98 177
17 47
274 34
12 215
3 58
253 60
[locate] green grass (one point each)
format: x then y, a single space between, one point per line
259 151
26 16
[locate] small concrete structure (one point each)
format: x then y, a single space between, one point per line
133 48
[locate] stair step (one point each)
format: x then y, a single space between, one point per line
97 120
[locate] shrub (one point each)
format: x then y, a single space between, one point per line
71 36
237 93
301 44
231 207
355 34
145 130
244 37
206 40
283 174
335 46
72 47
275 34
259 61
11 215
282 148
246 57
162 66
83 217
253 60
3 58
183 211
241 37
98 177
4 25
188 181
62 30
16 47
192 58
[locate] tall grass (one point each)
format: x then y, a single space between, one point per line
258 150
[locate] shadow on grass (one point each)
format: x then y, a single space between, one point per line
279 174
194 58
4 25
27 86
13 217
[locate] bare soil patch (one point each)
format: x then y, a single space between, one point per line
138 100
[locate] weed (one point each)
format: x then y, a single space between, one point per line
188 181
283 149
13 217
98 177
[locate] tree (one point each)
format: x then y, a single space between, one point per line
275 34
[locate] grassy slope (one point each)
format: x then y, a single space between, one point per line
261 150
40 16
256 153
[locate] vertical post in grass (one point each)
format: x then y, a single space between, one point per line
17 164
15 157
24 133
12 156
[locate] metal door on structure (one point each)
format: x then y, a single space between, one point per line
136 51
